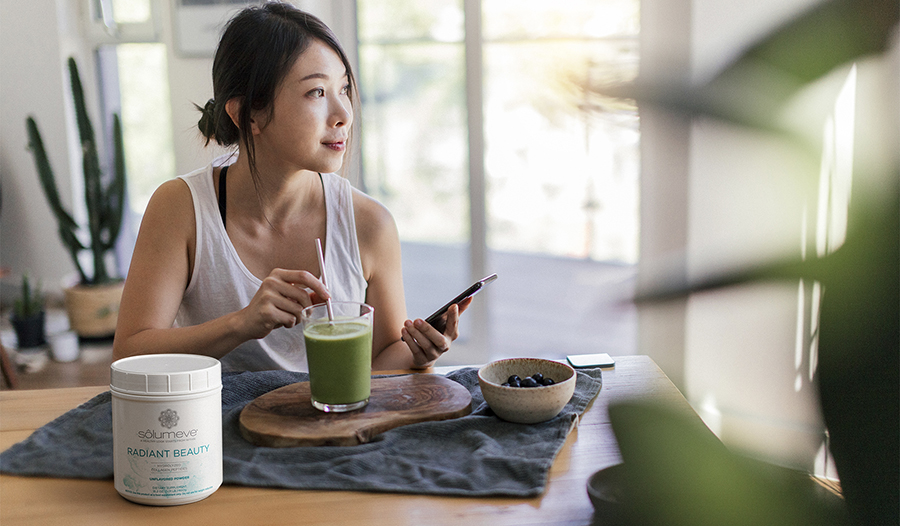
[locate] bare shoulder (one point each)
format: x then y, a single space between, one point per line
168 225
373 220
171 205
376 230
167 236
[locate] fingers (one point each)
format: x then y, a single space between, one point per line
302 280
270 309
274 318
451 330
298 286
464 304
424 341
280 300
422 357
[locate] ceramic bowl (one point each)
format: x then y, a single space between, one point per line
526 405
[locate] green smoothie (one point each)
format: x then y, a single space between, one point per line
340 361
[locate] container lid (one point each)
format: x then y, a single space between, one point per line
165 374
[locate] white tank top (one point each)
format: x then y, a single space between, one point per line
221 284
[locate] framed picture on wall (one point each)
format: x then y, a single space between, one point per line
198 24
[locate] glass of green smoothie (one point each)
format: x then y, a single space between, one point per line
339 354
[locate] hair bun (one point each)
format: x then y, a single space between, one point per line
207 123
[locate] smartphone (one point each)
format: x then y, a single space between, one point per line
438 320
591 360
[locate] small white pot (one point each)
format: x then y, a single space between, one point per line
64 346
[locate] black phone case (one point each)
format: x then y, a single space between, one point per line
439 321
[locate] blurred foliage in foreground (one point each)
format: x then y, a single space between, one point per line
677 474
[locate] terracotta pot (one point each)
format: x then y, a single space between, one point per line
94 309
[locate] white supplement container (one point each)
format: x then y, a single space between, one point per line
167 427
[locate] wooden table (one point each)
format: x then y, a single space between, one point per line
590 447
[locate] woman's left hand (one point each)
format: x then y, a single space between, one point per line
425 342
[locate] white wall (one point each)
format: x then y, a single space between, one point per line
665 148
36 37
190 82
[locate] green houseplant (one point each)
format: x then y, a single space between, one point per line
92 304
28 316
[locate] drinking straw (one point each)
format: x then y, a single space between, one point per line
324 280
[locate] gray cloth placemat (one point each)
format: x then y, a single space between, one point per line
475 455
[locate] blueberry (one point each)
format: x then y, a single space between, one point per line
529 382
538 377
514 379
548 381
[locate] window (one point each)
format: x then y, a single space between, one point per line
133 70
146 118
414 116
560 165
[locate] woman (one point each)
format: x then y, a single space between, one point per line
225 259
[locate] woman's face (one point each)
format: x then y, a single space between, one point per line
311 117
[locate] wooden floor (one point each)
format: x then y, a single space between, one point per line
35 369
39 371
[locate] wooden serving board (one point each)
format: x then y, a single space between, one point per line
286 417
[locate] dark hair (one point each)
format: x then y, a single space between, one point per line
257 50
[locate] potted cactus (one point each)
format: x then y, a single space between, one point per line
28 316
93 303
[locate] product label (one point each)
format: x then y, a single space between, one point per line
167 450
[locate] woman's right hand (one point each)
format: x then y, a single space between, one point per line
279 301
